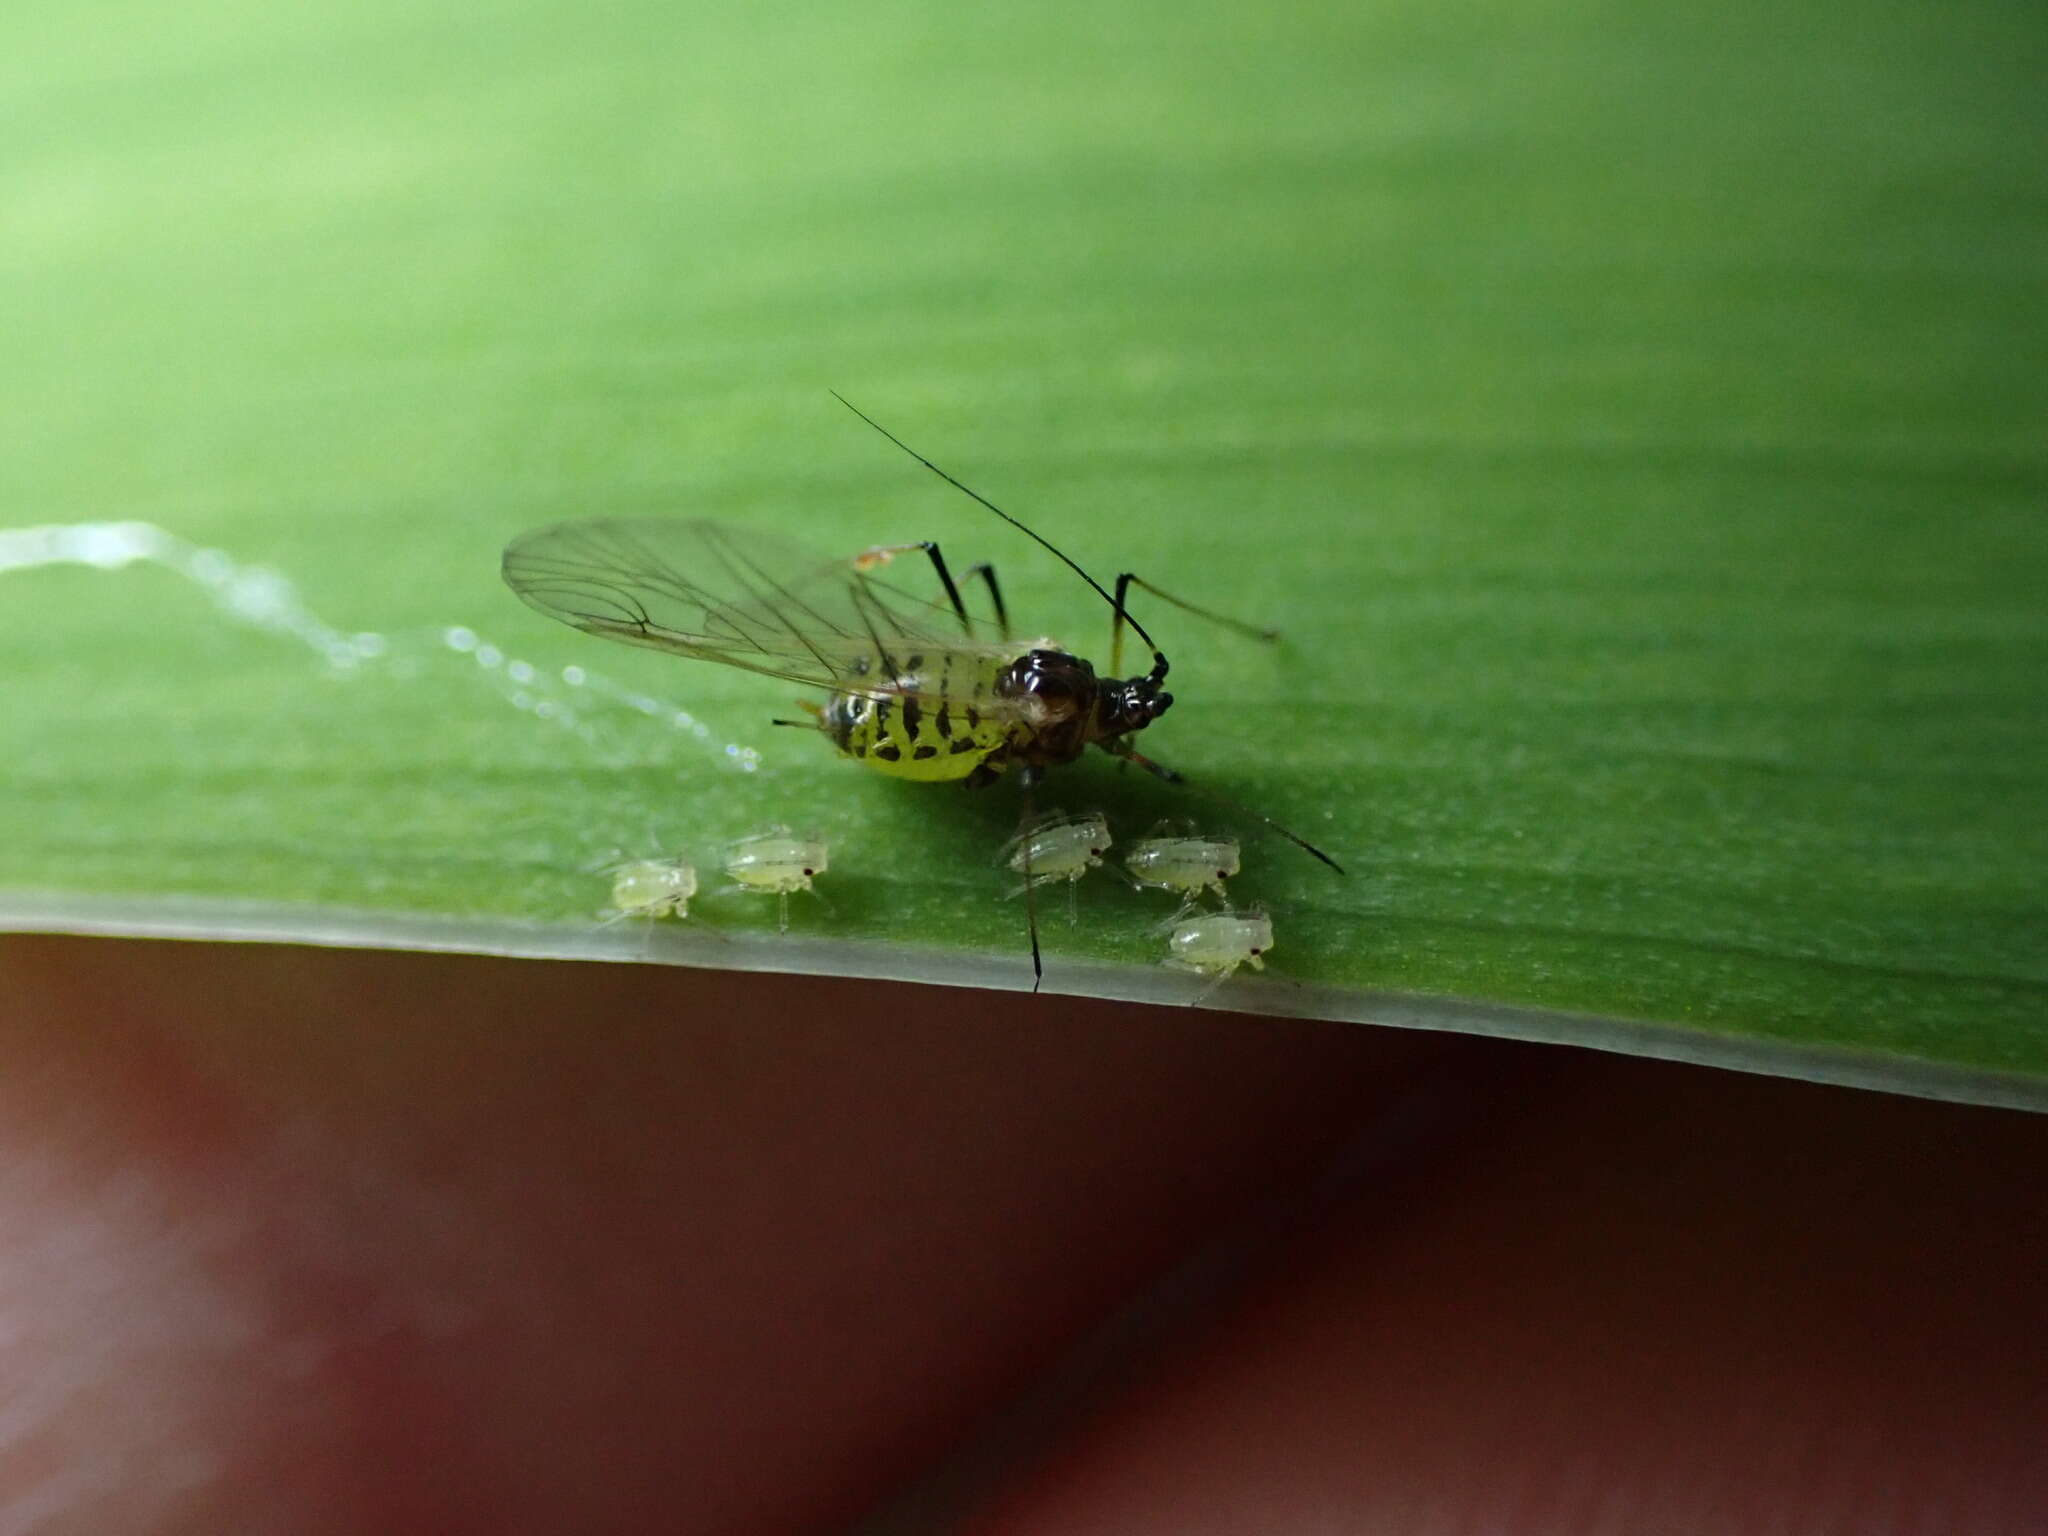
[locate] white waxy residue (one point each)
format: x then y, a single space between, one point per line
266 599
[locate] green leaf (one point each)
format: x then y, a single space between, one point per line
1634 421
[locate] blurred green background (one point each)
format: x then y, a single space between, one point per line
1635 419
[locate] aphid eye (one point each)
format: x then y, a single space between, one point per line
810 871
1256 950
1222 874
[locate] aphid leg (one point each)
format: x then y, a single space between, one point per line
782 911
1027 781
882 554
1118 747
987 573
1129 579
1158 660
1215 979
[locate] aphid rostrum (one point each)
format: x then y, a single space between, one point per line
912 689
777 862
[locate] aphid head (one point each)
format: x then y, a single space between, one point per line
1133 705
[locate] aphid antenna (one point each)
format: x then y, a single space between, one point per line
1158 656
1124 752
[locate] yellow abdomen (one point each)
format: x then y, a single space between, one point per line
933 732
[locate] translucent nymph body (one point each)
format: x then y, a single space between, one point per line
1215 944
1059 847
653 888
776 862
1187 866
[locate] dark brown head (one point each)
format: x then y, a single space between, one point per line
1132 705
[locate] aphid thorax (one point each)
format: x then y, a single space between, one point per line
1064 708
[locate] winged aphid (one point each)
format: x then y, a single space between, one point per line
911 688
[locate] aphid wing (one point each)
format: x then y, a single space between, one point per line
719 593
660 583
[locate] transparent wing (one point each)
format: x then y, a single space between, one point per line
736 596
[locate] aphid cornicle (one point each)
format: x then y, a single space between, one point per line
912 689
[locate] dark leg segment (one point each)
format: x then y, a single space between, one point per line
1027 782
987 573
882 554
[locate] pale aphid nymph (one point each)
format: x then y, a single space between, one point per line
653 888
1188 865
1215 944
776 862
1058 846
